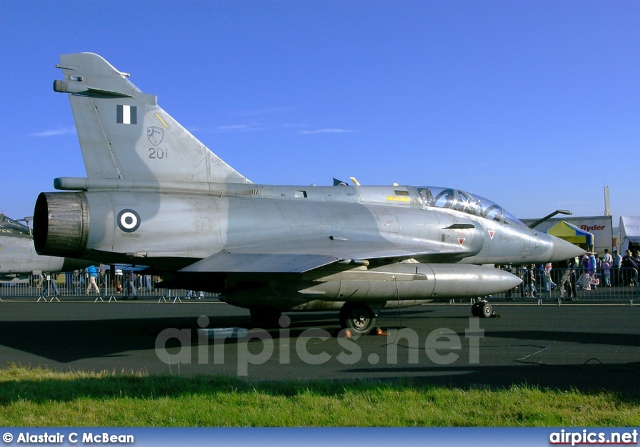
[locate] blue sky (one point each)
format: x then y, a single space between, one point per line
532 104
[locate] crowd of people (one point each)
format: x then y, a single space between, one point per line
103 280
586 273
92 279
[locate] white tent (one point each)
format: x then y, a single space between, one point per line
629 232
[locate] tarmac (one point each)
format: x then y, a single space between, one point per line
586 345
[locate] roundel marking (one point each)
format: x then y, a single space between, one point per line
128 221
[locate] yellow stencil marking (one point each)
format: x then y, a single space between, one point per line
398 199
166 126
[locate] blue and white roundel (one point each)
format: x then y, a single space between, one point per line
128 221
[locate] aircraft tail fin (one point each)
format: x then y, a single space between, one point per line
123 132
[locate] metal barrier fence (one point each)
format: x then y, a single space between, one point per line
570 284
575 284
79 285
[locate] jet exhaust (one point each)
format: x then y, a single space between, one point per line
61 224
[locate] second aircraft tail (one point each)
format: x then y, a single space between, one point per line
124 134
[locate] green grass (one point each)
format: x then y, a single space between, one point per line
43 397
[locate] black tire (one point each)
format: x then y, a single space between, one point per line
264 317
475 309
357 317
487 310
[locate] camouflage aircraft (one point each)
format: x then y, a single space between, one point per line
18 257
154 195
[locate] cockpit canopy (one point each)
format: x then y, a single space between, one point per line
455 199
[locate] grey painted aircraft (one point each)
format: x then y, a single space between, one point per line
154 195
18 257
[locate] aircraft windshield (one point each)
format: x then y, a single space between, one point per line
465 202
8 225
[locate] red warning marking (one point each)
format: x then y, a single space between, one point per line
461 240
491 234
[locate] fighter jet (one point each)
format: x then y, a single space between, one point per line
154 195
18 257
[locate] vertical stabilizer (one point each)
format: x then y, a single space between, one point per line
124 134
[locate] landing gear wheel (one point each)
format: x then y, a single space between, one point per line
264 316
487 310
482 309
357 317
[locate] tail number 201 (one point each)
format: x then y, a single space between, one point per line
158 153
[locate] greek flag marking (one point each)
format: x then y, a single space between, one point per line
126 114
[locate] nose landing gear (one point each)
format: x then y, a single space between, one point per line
482 308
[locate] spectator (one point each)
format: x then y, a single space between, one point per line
617 265
92 274
607 263
631 268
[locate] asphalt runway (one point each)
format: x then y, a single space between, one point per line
583 346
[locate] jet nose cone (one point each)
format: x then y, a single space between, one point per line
563 250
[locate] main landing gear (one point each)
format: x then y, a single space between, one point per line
357 317
482 308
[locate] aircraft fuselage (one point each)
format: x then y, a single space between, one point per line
172 224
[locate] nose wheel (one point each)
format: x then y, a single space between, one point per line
482 309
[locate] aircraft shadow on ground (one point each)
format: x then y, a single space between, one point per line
69 341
